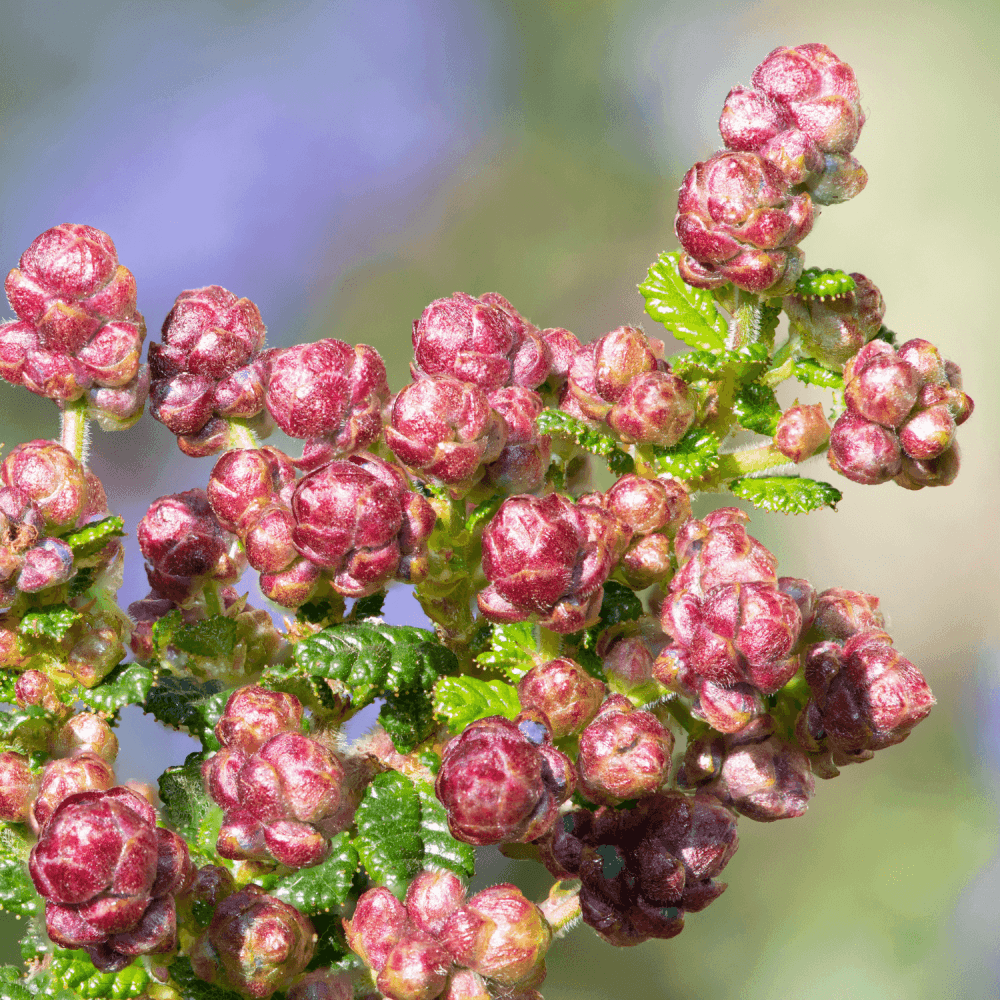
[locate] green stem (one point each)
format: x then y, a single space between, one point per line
549 643
780 372
743 463
213 602
745 326
73 434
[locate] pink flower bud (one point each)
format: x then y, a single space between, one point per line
718 550
255 944
738 221
563 346
863 451
548 558
65 777
567 695
97 652
379 922
445 429
841 613
415 969
880 386
501 935
624 753
801 432
243 482
18 787
46 565
521 465
916 473
35 688
323 984
833 330
928 433
727 708
184 545
656 408
498 785
749 120
48 475
468 985
85 733
253 715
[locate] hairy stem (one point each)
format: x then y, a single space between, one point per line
241 436
744 329
74 433
750 460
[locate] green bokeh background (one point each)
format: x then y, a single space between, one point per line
883 889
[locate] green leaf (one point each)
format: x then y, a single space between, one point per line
186 804
813 373
368 607
12 984
127 684
512 650
620 604
389 841
17 892
193 988
332 951
815 282
185 703
441 849
90 539
327 885
52 622
744 364
215 637
402 828
408 718
482 513
770 314
884 333
756 409
694 456
461 700
8 682
597 442
74 970
690 314
787 494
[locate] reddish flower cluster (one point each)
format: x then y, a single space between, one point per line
281 791
78 330
903 407
108 875
439 944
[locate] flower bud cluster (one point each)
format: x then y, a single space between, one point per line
753 771
833 328
547 559
643 868
734 623
185 546
78 330
282 792
622 380
803 114
440 944
903 407
255 944
864 696
45 494
353 522
564 693
108 876
209 368
503 781
650 511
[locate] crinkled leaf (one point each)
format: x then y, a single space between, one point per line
127 684
91 538
325 886
482 513
461 700
512 649
185 703
884 333
744 364
17 892
441 849
8 682
52 622
690 314
389 842
368 607
74 970
332 951
620 604
407 717
756 409
597 442
813 373
82 581
12 985
215 637
694 456
186 804
787 494
770 314
821 282
191 987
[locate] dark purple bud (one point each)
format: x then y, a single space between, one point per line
445 430
183 403
498 785
624 753
864 452
802 431
565 692
833 330
916 473
880 386
253 715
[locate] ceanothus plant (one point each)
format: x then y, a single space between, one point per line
615 738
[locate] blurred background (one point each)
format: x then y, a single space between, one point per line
344 163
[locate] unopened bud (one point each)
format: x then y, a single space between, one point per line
801 432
